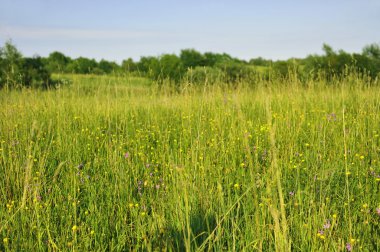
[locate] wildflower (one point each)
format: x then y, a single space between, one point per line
349 247
236 186
291 193
378 211
327 225
74 228
126 155
5 241
331 117
321 234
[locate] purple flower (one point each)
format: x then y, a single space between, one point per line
331 117
291 193
321 232
327 225
349 247
126 155
378 211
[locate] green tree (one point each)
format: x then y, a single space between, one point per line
35 73
11 69
57 62
171 67
129 65
17 71
260 62
372 51
149 66
328 50
82 65
212 59
107 66
191 58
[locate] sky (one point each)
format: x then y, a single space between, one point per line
117 30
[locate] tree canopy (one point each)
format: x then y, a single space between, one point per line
190 64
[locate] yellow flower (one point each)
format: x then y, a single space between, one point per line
74 228
5 240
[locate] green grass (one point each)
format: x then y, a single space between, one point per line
115 164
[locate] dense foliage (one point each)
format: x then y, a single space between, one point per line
17 71
190 65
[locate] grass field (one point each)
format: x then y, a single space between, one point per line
117 164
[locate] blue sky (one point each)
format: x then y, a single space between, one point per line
116 30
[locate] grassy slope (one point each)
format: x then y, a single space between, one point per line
223 169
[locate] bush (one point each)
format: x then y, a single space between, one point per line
204 75
236 71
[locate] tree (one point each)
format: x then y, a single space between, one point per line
11 66
82 65
34 73
150 66
107 66
129 65
171 67
260 62
372 51
212 59
328 50
57 62
17 71
191 58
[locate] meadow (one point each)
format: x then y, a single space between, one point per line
111 163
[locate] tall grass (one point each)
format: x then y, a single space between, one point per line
120 164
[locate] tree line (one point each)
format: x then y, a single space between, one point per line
189 65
